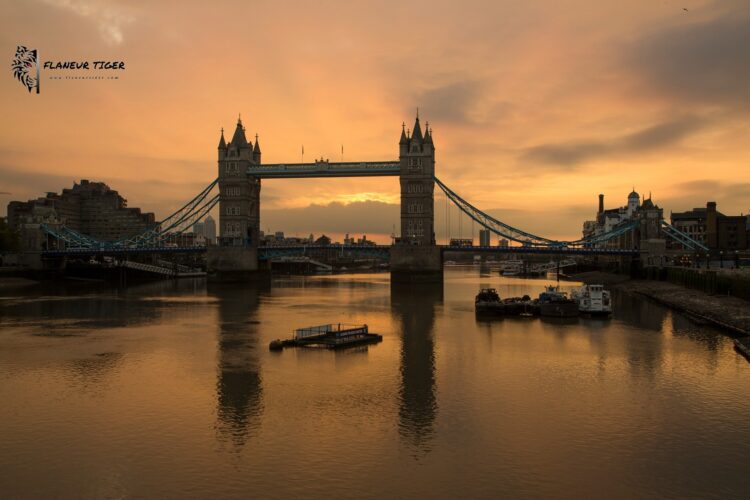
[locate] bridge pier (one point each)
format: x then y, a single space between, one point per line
228 264
416 264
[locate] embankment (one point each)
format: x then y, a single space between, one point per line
705 297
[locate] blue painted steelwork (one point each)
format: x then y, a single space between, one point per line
372 251
325 169
543 250
156 237
379 251
525 238
272 252
618 230
489 222
178 222
113 251
154 240
682 238
72 238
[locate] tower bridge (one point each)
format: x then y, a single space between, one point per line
414 256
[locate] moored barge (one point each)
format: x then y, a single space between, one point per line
521 306
488 302
554 303
330 336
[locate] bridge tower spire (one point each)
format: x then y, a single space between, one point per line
256 151
417 158
416 255
239 208
222 142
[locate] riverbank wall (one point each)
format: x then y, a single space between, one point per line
708 296
735 283
724 311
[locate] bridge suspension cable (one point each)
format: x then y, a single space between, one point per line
525 238
173 225
192 203
494 225
682 238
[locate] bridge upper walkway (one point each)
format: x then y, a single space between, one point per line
325 169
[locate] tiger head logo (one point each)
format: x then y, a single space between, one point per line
26 68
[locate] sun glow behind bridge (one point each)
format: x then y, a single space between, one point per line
347 198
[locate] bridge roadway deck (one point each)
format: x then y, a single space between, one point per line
325 169
300 249
117 251
543 250
477 249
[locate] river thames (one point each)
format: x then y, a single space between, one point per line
169 390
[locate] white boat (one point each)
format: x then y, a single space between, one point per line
593 300
511 267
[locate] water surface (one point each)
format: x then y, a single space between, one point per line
169 390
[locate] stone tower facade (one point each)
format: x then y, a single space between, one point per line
650 217
239 203
417 157
416 257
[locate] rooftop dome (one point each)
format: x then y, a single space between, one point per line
633 194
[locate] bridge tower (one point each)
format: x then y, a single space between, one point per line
236 256
417 158
415 256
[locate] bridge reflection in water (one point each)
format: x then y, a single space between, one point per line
239 389
414 306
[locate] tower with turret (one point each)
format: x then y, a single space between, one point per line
416 257
239 203
634 201
417 158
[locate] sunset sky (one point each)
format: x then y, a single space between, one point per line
536 106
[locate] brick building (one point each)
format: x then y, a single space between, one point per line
90 208
712 228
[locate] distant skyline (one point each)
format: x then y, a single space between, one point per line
537 107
